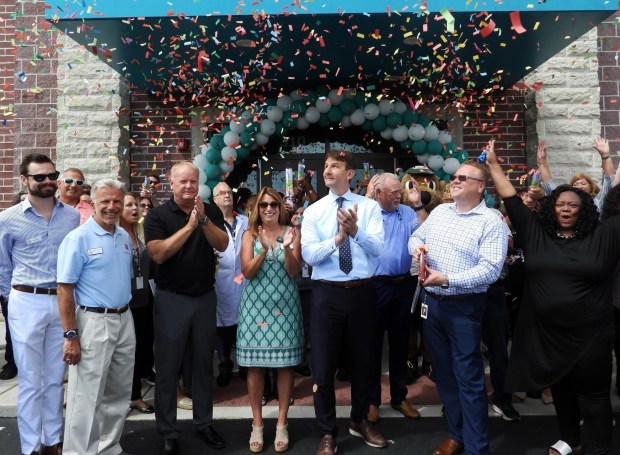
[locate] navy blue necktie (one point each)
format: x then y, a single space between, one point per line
344 257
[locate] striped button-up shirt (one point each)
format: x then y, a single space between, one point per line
470 247
29 244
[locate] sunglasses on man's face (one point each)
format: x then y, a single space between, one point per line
41 177
461 178
70 181
272 204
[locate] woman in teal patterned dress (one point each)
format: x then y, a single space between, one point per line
270 328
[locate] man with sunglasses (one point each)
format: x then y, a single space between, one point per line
30 235
465 245
71 186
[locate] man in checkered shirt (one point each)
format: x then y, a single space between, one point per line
465 246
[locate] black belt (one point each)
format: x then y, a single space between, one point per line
347 284
98 309
33 290
393 279
454 297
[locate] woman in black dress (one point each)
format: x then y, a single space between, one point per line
564 334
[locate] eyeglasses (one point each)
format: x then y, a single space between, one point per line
153 182
224 193
146 205
70 181
461 178
41 177
272 204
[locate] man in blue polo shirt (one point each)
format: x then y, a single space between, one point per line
94 289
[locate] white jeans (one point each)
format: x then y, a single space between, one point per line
99 387
37 337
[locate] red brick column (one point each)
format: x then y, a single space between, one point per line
609 77
7 100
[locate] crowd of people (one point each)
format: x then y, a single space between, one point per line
123 288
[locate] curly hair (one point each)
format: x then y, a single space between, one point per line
588 214
611 204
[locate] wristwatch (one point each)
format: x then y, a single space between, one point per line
71 334
445 283
417 209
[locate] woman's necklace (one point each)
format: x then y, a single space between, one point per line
562 236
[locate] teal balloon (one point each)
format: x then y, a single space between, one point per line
323 120
217 141
242 153
367 125
214 156
287 120
334 115
225 130
213 171
462 156
379 123
211 183
280 129
347 106
434 147
322 91
419 147
489 200
253 127
449 150
394 119
446 178
409 118
407 145
451 147
440 173
298 107
245 138
271 102
360 99
423 120
311 97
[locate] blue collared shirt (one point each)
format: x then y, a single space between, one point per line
398 226
320 226
29 244
470 247
98 263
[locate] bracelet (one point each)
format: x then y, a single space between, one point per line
417 209
606 157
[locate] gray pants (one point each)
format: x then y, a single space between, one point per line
179 320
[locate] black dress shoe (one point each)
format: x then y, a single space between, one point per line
8 372
211 437
223 379
303 370
170 447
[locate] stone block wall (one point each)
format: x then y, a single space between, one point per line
7 101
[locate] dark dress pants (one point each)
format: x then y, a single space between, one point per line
393 316
143 324
226 337
8 353
452 336
334 310
176 317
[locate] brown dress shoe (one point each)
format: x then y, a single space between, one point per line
56 449
407 410
448 447
373 414
327 446
365 431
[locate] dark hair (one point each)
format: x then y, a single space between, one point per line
18 197
611 204
242 196
340 155
33 158
588 214
155 176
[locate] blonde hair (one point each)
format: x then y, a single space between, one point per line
594 188
254 216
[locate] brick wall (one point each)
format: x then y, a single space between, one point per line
7 100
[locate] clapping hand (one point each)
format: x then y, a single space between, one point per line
289 237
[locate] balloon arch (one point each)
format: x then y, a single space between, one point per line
394 120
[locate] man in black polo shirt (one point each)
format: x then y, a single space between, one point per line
180 236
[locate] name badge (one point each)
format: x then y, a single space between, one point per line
139 282
94 251
424 311
34 240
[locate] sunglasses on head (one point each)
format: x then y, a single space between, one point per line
461 178
70 181
41 177
272 204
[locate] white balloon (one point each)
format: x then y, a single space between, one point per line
296 95
423 159
284 102
416 132
205 149
450 165
231 138
386 133
346 121
323 105
386 107
371 111
400 133
202 177
435 162
312 115
302 123
431 132
267 127
444 137
275 114
261 139
400 107
236 126
228 154
246 116
334 97
357 117
225 167
204 192
200 161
